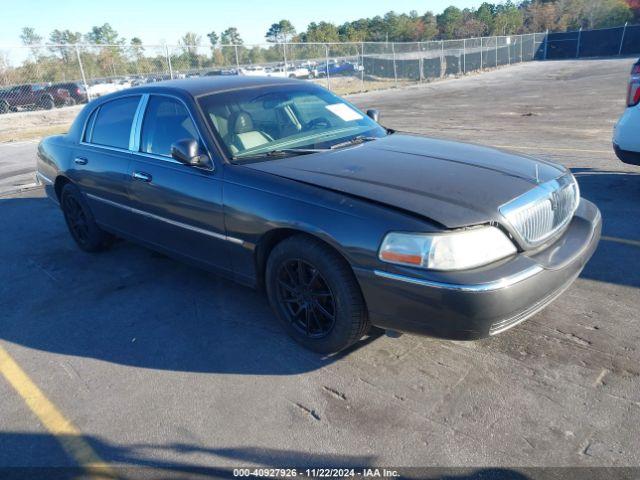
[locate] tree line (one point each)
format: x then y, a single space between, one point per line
119 56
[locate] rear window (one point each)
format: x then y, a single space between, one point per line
112 125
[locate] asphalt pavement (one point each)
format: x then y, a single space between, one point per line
155 363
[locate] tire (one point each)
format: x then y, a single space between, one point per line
4 107
81 223
325 312
46 103
69 102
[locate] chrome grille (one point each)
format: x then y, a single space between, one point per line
543 211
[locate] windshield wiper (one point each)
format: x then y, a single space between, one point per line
281 152
354 141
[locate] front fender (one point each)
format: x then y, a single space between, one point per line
257 204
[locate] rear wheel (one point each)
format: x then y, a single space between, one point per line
82 226
315 295
4 106
46 103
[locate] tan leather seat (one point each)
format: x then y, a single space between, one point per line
243 135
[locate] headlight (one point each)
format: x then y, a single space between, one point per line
447 251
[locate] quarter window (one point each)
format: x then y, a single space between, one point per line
165 122
112 125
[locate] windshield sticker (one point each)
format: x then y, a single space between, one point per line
344 111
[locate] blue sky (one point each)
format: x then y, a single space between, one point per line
166 20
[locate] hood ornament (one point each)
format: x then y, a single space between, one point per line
537 174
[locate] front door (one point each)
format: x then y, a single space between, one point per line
180 206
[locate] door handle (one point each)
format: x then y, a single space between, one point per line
80 161
143 177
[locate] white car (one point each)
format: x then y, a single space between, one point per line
288 72
626 134
253 71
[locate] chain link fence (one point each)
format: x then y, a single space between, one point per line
50 76
604 42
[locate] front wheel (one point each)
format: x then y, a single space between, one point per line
315 295
82 226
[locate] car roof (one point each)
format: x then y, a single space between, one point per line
197 86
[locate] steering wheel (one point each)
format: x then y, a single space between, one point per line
319 122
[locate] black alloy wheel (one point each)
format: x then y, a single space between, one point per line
309 303
314 293
79 219
76 219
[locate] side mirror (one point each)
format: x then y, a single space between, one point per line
187 151
373 114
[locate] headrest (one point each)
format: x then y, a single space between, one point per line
240 122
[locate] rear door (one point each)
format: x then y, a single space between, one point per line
180 206
101 163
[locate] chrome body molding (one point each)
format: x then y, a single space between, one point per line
477 287
202 231
42 177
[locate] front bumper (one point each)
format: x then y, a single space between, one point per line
625 156
485 301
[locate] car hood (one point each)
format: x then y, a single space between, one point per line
452 183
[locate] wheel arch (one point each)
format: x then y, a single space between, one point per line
273 237
59 184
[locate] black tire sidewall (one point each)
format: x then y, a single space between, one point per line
47 103
340 280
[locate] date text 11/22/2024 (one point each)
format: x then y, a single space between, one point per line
316 472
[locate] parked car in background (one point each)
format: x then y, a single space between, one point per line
76 90
337 67
253 71
104 87
223 72
33 97
281 184
288 71
626 134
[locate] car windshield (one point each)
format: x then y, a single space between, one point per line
287 119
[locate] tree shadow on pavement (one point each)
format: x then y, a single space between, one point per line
33 455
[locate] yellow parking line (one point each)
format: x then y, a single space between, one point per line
626 241
53 420
555 149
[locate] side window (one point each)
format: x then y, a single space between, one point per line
112 125
165 122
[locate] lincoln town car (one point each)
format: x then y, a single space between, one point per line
345 225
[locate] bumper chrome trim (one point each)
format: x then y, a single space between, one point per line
508 323
478 287
44 178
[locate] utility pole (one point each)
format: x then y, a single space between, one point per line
624 30
84 79
546 43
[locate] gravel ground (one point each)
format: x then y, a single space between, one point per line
161 364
